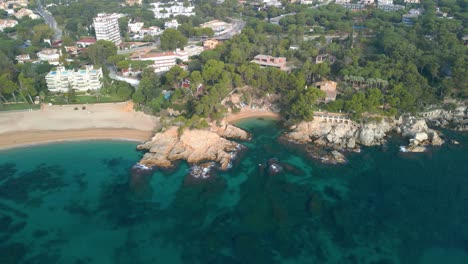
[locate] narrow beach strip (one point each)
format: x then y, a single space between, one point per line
250 114
26 138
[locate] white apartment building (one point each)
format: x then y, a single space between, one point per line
272 3
107 27
385 2
139 31
172 9
152 31
163 61
135 27
171 24
343 1
61 80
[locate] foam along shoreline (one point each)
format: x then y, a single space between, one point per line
28 138
250 114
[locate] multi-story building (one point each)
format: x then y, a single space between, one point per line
325 58
50 55
13 4
133 2
411 16
7 23
107 27
163 61
22 58
270 61
85 42
366 2
385 2
390 8
24 12
171 24
135 27
329 87
61 79
272 3
172 9
151 31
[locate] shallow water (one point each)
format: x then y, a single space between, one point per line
79 203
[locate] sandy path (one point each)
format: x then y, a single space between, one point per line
60 123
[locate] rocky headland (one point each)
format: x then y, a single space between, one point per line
326 140
456 119
196 146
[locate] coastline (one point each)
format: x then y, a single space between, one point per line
56 123
39 137
231 118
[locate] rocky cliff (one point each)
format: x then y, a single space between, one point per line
419 134
349 135
193 146
456 119
341 135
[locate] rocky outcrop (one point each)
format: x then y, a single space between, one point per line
348 136
341 135
231 132
456 119
374 133
325 134
193 146
419 134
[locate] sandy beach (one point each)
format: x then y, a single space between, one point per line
250 113
63 123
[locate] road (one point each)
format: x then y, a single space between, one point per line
113 75
275 20
154 45
237 27
49 19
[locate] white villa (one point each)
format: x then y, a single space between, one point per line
50 55
171 24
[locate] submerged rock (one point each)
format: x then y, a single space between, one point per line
274 167
193 146
203 170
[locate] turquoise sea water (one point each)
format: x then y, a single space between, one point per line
79 203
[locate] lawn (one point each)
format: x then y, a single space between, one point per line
18 106
82 99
